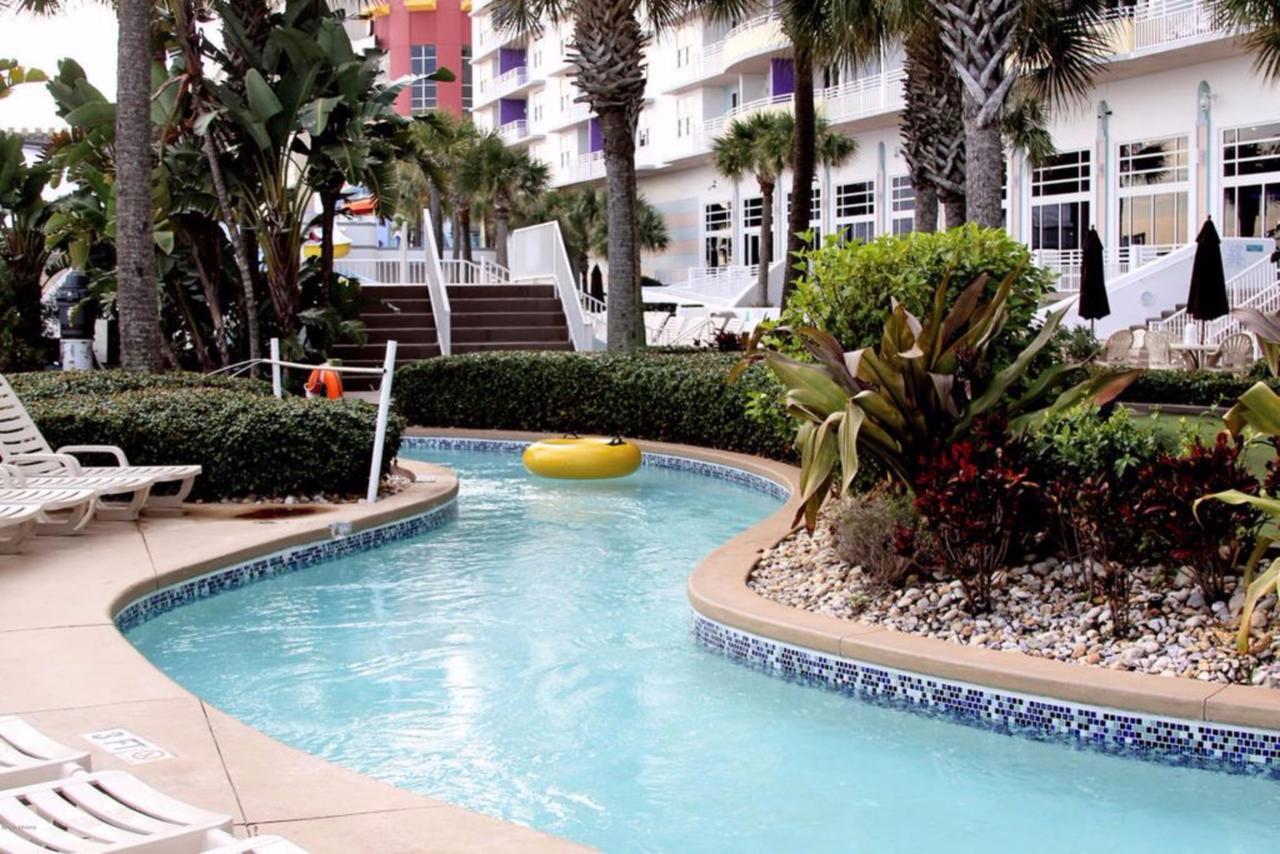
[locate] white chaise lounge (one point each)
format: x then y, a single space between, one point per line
22 445
28 756
120 499
17 523
60 511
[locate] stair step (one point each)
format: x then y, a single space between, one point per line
464 320
524 305
404 335
524 334
501 291
351 353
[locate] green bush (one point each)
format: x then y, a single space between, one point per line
248 444
672 397
1190 388
848 289
50 385
1080 443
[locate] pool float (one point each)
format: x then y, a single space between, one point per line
582 459
341 245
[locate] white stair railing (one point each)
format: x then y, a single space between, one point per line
1242 290
538 252
436 286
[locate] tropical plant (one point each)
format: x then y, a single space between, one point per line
13 73
24 216
763 145
1260 21
880 532
1049 49
919 390
502 178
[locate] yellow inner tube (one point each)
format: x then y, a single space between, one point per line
581 459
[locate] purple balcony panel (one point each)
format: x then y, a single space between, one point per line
595 139
782 77
512 57
512 110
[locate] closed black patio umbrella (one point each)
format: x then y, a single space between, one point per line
1094 304
1207 299
597 283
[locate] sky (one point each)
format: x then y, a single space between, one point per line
84 31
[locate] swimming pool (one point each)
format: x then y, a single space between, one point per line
532 660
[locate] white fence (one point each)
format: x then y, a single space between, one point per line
1067 262
1254 287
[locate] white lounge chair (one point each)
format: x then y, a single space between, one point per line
22 444
17 523
107 811
60 511
27 756
132 492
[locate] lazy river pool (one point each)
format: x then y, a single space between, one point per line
532 660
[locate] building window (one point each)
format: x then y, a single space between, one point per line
1060 201
856 210
1153 192
902 204
752 212
466 79
1251 181
718 224
422 60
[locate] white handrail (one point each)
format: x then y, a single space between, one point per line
436 287
538 252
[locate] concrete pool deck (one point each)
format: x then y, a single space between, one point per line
66 669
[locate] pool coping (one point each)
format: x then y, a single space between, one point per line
719 595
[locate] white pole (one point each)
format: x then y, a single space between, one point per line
384 409
276 387
404 254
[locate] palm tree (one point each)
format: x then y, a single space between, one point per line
583 216
764 145
606 52
503 178
932 130
1260 19
1050 47
447 142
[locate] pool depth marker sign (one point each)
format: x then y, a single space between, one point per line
127 747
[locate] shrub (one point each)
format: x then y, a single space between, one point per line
1210 538
51 385
666 396
848 289
1189 388
975 497
248 444
1107 518
881 533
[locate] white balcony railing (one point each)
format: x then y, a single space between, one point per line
585 167
1161 23
514 131
1067 262
504 84
865 96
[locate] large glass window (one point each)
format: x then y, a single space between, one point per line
1251 181
718 225
815 214
856 210
1060 201
902 204
1153 192
422 60
466 79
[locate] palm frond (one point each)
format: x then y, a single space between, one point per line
1059 47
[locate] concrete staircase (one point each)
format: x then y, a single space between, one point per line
507 317
402 312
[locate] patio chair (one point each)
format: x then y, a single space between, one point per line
133 491
1157 346
1116 350
60 511
107 811
27 756
22 444
17 523
1235 353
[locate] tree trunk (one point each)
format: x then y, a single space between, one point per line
209 284
464 227
803 168
328 213
625 321
984 167
437 218
926 213
766 241
500 215
956 213
137 300
238 244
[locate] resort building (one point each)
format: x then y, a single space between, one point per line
1177 127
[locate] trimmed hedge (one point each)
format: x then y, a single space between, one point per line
1191 388
248 443
46 385
670 397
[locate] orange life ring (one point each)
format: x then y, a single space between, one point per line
329 381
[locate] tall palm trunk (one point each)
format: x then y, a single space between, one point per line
625 320
979 36
926 208
932 130
137 301
501 217
766 241
435 205
328 215
803 168
464 229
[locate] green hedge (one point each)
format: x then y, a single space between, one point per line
1190 388
672 397
248 443
45 385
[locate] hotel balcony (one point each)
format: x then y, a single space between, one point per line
514 81
486 38
585 167
575 113
513 133
756 39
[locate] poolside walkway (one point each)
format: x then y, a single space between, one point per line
66 669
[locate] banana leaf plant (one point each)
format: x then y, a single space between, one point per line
1257 415
917 390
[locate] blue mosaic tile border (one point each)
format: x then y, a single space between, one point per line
1203 744
280 563
748 479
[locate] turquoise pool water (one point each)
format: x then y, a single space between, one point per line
532 660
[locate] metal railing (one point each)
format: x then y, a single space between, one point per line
505 83
1157 23
458 271
1253 284
865 96
435 281
514 131
1067 262
586 167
